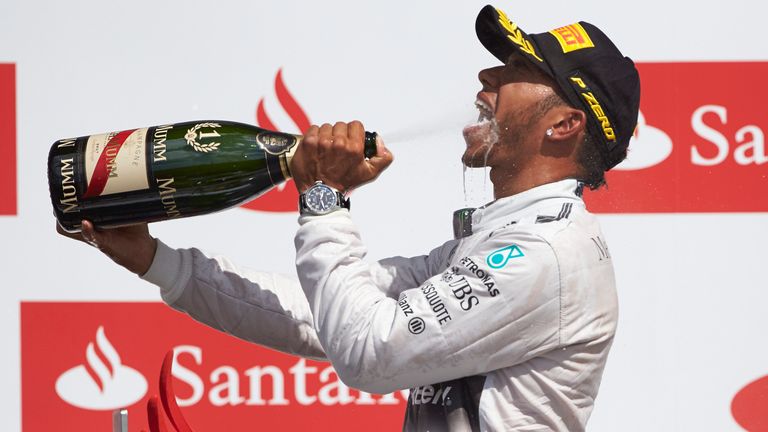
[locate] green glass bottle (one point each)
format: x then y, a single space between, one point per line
167 172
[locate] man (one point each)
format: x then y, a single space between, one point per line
506 327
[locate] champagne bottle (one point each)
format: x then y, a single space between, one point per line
167 172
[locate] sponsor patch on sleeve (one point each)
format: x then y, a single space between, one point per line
499 258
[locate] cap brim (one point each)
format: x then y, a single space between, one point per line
502 38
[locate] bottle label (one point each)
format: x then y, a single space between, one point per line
276 143
116 162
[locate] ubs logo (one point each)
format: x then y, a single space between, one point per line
102 382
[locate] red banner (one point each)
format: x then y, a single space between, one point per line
80 361
7 139
700 143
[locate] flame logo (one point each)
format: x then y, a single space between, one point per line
748 406
283 198
103 383
648 146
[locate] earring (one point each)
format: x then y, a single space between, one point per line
550 131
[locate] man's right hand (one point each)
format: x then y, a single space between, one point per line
132 247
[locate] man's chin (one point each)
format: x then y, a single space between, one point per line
476 155
471 162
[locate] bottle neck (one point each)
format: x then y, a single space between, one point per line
285 159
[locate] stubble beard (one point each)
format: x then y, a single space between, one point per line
511 132
508 132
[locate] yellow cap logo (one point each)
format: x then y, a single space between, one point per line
516 36
572 37
597 109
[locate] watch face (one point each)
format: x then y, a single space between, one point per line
320 198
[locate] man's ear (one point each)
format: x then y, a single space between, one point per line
567 124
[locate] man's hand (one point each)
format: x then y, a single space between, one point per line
334 154
132 247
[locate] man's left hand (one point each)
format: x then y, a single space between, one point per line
334 155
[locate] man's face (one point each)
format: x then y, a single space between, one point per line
507 122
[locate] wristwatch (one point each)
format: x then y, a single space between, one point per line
321 199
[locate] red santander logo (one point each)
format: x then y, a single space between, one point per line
699 145
82 360
7 139
284 197
102 382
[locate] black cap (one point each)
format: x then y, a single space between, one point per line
590 70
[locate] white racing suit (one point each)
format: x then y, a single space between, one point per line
507 328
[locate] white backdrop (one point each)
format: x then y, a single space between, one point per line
692 287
